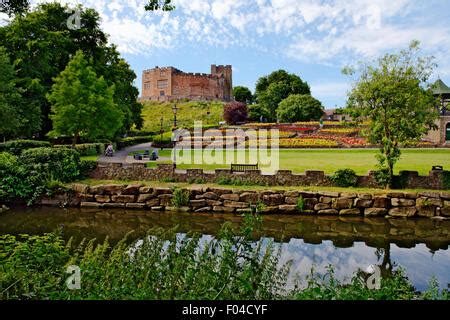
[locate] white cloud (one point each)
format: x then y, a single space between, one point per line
306 30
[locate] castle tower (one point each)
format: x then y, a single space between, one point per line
227 73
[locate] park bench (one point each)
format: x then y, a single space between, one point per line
244 167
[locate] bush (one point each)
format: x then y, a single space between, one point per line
86 167
255 111
87 149
131 141
299 107
345 178
235 112
180 198
61 164
17 146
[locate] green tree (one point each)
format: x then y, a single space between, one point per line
299 107
14 7
393 95
10 99
41 46
274 88
242 94
82 104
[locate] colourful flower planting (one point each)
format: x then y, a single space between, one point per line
340 131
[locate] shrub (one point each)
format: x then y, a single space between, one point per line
383 177
255 111
61 164
345 178
86 167
131 141
87 149
180 198
300 204
299 107
235 112
17 146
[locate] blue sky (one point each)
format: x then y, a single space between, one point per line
311 38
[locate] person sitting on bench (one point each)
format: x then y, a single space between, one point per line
154 155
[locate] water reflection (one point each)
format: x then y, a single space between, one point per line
421 246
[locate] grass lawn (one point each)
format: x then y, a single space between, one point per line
187 113
89 158
330 160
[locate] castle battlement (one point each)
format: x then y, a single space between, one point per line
170 83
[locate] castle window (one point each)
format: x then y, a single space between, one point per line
147 86
162 94
162 84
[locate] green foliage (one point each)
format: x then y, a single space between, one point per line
155 5
58 163
17 146
227 181
298 107
168 266
10 98
383 177
345 178
242 94
255 111
41 46
87 149
274 88
210 113
446 182
391 94
14 7
131 141
328 287
86 167
300 204
180 198
82 104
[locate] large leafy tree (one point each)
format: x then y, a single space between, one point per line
393 94
82 104
242 94
299 107
274 88
41 45
10 98
14 7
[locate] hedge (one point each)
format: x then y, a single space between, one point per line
87 149
62 164
17 146
131 141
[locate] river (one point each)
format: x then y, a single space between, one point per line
421 246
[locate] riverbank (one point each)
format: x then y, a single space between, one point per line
198 199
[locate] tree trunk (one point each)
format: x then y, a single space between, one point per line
75 139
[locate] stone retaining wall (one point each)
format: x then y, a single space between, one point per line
117 171
393 204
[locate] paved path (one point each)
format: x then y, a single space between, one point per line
122 155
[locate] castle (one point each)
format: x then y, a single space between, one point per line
169 83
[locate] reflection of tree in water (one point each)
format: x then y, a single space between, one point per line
387 266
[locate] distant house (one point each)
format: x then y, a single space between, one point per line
336 115
441 136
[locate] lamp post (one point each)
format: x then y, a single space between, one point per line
175 110
161 131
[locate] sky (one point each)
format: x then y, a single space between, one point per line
312 38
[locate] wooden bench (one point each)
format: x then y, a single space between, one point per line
244 167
